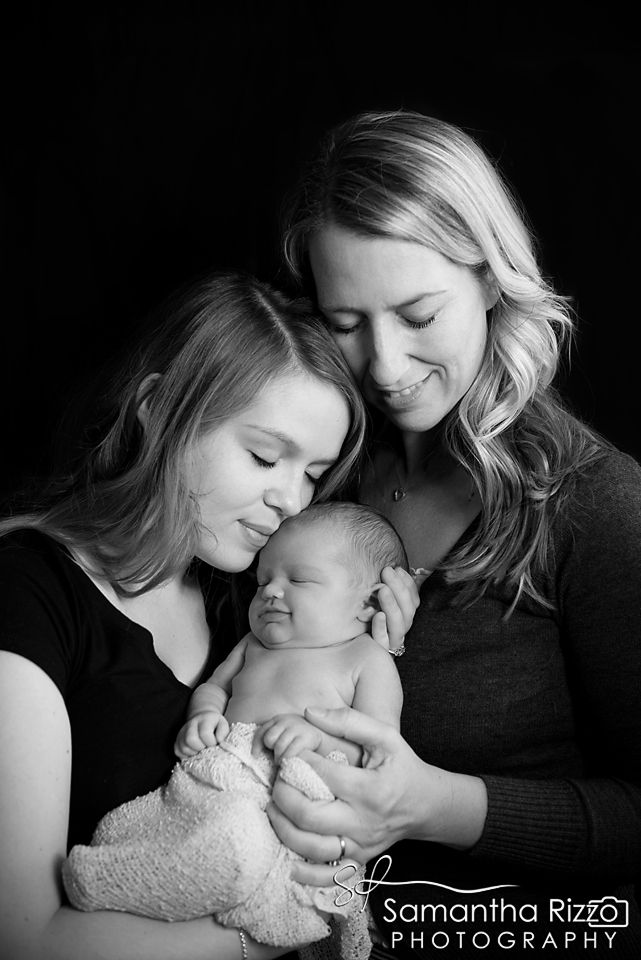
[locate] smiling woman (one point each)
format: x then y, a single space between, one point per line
230 416
264 464
380 297
521 758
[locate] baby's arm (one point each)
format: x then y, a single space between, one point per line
206 726
378 690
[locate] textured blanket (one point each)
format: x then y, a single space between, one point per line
202 845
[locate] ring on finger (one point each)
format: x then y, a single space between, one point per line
399 650
335 863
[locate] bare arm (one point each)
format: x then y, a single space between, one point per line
378 693
35 769
215 692
378 688
205 725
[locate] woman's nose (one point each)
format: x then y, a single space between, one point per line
288 497
388 359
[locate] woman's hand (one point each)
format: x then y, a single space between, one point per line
398 598
394 796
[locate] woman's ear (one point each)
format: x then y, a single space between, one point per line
491 290
143 397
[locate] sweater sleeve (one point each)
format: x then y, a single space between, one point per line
589 826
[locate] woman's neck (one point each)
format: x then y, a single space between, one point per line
414 451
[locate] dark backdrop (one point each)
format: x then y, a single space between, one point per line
148 142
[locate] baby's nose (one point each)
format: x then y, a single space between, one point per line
273 590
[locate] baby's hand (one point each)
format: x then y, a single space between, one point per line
288 734
202 730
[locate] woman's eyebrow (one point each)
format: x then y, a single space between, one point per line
428 294
276 434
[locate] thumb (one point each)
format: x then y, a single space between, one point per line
353 725
379 629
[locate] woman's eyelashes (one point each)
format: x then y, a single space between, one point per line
268 464
343 331
419 324
413 323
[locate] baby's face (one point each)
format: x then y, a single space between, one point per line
305 596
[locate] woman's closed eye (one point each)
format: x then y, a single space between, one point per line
267 464
417 324
343 329
313 479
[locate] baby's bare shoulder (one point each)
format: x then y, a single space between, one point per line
364 648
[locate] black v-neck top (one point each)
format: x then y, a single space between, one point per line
125 705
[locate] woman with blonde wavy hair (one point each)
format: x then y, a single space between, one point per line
520 766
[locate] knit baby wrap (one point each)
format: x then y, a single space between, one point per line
202 845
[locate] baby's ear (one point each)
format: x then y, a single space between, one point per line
370 606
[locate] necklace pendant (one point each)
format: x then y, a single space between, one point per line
398 494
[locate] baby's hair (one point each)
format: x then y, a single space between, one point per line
370 538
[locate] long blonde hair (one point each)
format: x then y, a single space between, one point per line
125 505
406 176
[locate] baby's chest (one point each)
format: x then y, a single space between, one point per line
311 675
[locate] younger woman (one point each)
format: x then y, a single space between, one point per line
232 416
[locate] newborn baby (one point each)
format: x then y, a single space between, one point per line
202 844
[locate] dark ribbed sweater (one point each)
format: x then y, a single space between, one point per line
545 706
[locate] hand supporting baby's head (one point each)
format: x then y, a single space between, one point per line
319 575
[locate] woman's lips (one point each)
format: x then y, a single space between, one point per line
402 398
258 536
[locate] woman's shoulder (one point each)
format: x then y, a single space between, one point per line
39 580
612 477
26 549
605 502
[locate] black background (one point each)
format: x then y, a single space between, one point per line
149 142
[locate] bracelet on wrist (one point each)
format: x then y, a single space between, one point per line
243 945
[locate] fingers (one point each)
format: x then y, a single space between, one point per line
287 736
405 590
200 732
399 599
287 744
312 817
379 630
315 874
277 736
222 731
320 848
353 725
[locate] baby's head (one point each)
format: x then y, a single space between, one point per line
319 575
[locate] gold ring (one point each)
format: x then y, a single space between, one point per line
335 863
